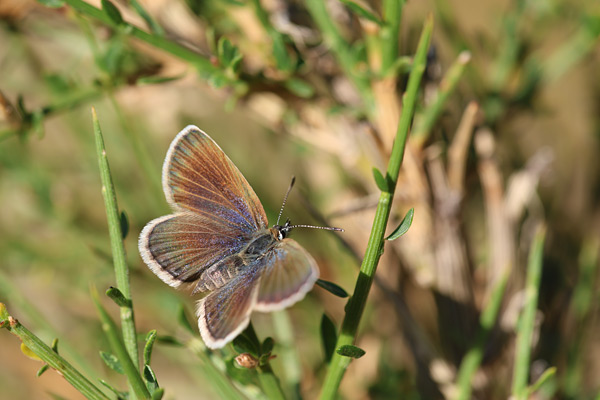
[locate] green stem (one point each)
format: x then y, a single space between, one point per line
217 378
526 322
134 379
284 332
341 49
446 88
117 246
356 304
203 64
392 14
49 356
472 360
270 383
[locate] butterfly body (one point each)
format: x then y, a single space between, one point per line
217 240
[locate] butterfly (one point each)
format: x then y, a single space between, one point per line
217 240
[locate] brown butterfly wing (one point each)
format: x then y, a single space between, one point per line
288 273
225 313
188 247
199 177
216 212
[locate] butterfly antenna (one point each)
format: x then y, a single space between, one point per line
285 198
327 228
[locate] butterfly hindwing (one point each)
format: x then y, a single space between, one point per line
287 274
225 312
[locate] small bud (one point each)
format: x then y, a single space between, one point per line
246 360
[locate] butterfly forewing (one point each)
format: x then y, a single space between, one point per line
182 247
288 272
199 177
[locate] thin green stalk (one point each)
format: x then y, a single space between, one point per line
270 383
582 302
341 49
203 64
284 62
526 322
434 110
392 14
356 304
134 379
141 153
472 360
40 320
217 378
116 242
287 351
49 356
572 51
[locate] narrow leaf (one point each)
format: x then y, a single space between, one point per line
112 12
404 225
117 296
112 362
328 336
380 180
362 12
150 378
299 87
183 320
332 288
267 346
150 338
124 220
243 344
44 368
52 3
158 394
349 350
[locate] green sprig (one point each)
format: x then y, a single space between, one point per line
356 304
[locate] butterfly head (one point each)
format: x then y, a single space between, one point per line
282 231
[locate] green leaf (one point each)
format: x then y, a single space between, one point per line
299 87
328 336
184 321
150 378
44 368
228 53
112 12
167 339
150 338
54 345
349 350
332 288
112 362
282 57
124 220
404 225
362 12
117 296
152 80
158 394
381 182
267 346
52 3
244 376
243 344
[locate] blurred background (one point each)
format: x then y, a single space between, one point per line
505 139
